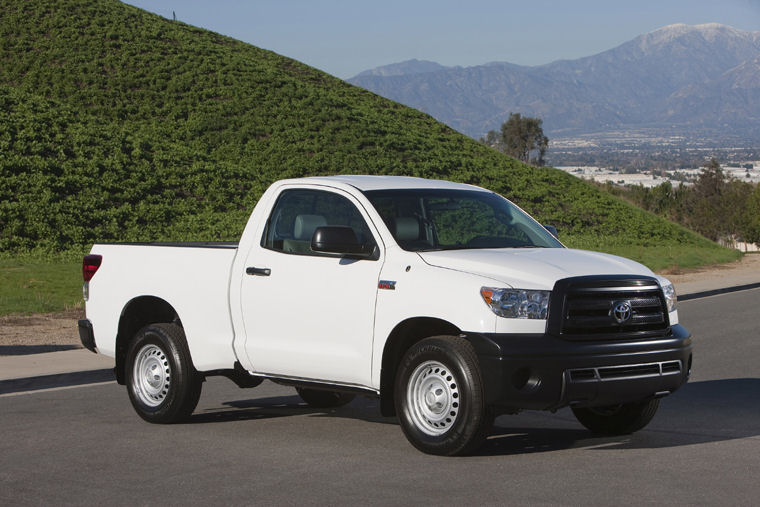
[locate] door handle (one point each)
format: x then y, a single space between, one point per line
258 271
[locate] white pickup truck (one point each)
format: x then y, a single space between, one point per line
444 300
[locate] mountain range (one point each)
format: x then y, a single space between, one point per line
678 79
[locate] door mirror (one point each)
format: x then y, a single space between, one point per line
339 239
552 230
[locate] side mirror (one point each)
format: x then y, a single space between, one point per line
339 239
552 230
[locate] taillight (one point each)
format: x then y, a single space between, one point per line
90 266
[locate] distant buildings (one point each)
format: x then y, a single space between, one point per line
740 245
653 178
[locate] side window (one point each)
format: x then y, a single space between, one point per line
298 213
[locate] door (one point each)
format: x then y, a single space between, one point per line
306 314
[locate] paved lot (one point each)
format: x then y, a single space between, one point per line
85 445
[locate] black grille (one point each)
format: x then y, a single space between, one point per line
607 307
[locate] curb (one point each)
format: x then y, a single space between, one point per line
716 292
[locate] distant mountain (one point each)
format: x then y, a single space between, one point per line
732 98
679 77
405 68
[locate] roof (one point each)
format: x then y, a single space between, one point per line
366 183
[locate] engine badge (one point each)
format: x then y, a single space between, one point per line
621 311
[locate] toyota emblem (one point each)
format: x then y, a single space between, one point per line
621 311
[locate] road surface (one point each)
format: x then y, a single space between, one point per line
85 444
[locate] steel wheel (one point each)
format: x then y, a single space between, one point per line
433 393
162 383
151 375
439 397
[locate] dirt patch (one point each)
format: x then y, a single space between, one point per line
746 266
42 329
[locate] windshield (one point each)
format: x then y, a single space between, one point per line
431 219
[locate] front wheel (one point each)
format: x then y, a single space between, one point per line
439 397
617 419
162 383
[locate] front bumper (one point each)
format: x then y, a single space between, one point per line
543 372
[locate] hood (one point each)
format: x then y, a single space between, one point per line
533 268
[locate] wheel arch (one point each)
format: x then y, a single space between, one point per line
136 314
403 336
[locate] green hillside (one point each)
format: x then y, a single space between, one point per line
120 125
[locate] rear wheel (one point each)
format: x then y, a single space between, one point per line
324 399
439 397
617 419
162 384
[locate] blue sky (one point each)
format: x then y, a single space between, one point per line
345 37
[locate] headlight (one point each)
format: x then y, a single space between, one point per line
517 303
670 295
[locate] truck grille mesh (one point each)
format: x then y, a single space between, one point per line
599 307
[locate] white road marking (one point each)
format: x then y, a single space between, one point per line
62 388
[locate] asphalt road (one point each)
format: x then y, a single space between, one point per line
85 445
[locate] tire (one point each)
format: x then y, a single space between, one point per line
162 383
618 419
439 397
324 399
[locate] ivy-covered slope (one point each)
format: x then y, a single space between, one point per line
119 125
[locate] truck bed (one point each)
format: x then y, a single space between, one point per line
192 277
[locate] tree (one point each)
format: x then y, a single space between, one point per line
705 207
521 137
752 226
